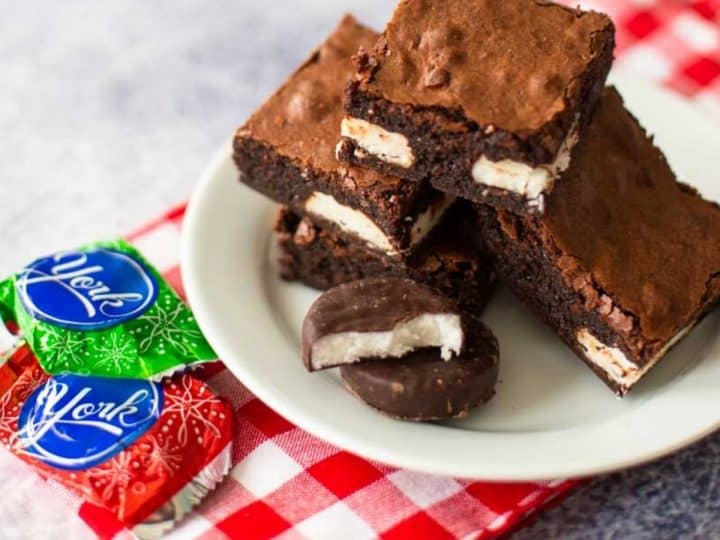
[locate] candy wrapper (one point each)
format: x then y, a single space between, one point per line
145 451
102 310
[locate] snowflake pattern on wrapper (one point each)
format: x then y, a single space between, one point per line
29 380
139 479
156 342
194 410
63 349
116 352
168 328
162 456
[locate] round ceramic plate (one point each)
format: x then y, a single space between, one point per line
551 417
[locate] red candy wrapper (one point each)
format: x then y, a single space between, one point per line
145 451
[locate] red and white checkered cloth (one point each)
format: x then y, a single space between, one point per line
286 483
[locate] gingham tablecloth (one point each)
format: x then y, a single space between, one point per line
286 483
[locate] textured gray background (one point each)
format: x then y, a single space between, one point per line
108 113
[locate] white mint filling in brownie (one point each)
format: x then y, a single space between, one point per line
515 176
533 183
355 222
614 362
393 148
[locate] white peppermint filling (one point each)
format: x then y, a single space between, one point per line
393 148
614 362
427 330
348 219
355 222
530 182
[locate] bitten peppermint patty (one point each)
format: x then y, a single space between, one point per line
422 386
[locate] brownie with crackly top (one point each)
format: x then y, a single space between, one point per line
486 98
625 261
286 151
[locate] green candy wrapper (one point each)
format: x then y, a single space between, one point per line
102 310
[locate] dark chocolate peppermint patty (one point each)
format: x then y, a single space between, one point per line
422 386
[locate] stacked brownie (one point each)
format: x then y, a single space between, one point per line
447 261
485 98
475 136
624 262
339 222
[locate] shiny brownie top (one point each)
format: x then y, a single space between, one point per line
635 242
511 64
302 119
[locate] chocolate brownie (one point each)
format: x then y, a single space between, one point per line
322 259
625 261
486 98
286 151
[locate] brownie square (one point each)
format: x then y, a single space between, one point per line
486 98
286 151
446 261
625 261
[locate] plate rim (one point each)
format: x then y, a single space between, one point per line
192 280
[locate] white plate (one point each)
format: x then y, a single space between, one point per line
551 418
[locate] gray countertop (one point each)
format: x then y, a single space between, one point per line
109 112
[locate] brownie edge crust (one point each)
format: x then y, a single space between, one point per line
522 263
625 261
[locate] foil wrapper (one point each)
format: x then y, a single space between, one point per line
146 451
102 310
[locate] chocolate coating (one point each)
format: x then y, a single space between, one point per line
513 64
370 305
421 386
